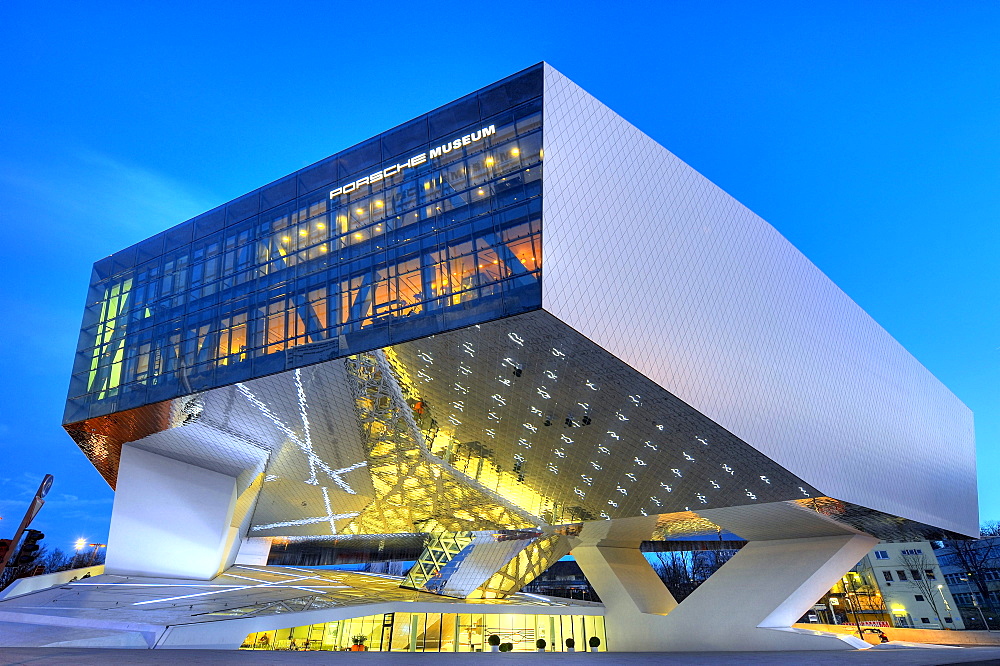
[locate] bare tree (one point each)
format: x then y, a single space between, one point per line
866 591
977 556
919 565
683 571
15 571
676 571
57 560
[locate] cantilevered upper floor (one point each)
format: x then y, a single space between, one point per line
430 226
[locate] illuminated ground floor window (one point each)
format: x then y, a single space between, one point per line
435 632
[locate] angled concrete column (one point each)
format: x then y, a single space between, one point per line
241 549
753 600
254 550
608 554
794 556
170 519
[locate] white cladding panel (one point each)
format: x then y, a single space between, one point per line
171 519
650 260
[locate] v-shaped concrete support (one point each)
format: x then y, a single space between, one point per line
794 556
608 553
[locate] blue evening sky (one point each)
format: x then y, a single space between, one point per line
867 132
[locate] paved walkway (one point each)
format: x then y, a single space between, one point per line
915 656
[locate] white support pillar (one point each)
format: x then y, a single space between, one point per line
753 600
608 554
170 519
794 556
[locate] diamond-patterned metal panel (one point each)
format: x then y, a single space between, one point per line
518 423
654 263
555 423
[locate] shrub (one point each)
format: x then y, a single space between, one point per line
493 639
540 644
570 643
594 641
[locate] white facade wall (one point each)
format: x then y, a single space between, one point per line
900 596
663 269
171 519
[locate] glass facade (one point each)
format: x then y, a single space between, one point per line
436 632
429 227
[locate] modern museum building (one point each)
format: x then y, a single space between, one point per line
512 329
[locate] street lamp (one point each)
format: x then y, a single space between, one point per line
975 602
947 606
96 547
79 545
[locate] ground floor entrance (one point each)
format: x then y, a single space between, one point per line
436 632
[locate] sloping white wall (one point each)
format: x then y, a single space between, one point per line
170 519
663 269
